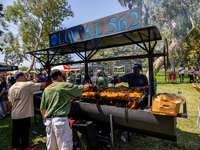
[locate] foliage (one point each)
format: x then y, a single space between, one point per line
117 52
1 15
191 47
175 20
35 20
23 68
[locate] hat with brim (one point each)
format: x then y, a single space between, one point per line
18 74
55 73
137 66
99 71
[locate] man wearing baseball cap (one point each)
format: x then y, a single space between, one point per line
73 77
181 73
101 81
134 79
55 106
20 96
92 77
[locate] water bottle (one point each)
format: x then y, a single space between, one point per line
123 138
179 91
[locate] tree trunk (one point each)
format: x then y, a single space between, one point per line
36 48
176 43
31 65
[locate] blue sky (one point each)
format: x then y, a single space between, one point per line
84 11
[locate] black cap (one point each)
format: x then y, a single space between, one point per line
55 73
137 66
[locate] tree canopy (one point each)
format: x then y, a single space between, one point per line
176 20
35 20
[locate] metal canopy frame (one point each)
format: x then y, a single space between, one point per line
134 36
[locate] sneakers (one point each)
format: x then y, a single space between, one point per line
31 147
7 114
2 117
13 148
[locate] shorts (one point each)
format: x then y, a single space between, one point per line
4 98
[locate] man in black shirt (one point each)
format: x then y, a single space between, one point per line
134 79
3 97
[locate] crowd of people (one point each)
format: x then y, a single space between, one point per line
16 91
193 74
56 98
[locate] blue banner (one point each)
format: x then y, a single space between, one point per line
109 25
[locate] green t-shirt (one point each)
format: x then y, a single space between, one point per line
101 81
56 98
73 76
106 81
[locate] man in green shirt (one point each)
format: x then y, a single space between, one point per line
73 77
101 81
55 106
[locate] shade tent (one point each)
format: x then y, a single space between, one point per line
61 68
64 68
142 37
13 72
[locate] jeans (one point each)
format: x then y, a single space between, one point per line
181 77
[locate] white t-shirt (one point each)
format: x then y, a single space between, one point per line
182 71
93 80
21 96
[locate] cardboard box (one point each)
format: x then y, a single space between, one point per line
165 107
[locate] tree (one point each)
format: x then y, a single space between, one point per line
191 46
174 18
117 52
35 20
1 15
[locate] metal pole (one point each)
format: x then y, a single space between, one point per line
86 72
165 64
112 132
151 84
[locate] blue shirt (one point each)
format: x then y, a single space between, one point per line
41 80
134 81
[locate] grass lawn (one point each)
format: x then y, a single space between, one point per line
187 130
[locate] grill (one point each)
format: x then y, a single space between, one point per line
136 120
136 97
116 110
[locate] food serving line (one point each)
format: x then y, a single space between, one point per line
90 113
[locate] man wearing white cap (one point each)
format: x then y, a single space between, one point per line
92 77
101 81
